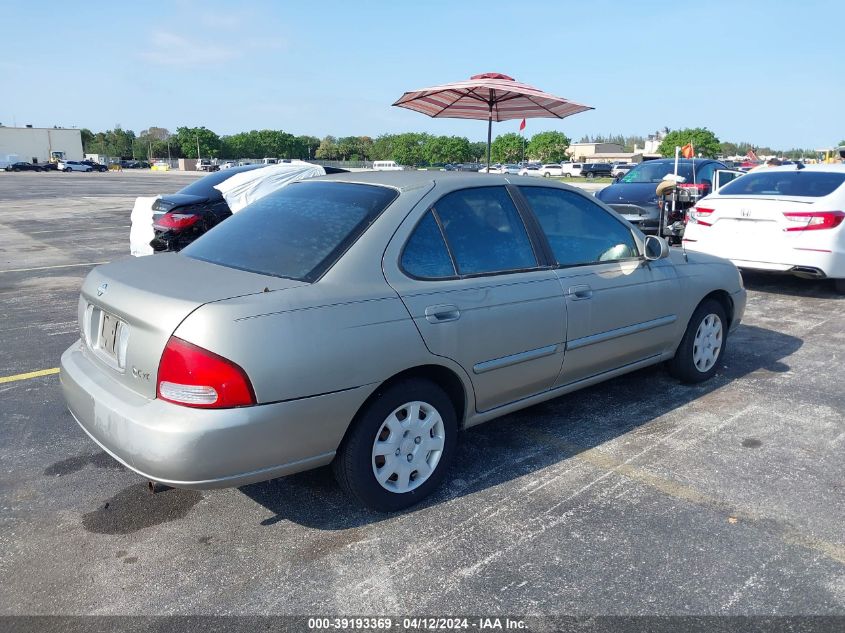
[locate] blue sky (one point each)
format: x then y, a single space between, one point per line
770 72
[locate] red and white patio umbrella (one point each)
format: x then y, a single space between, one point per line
490 96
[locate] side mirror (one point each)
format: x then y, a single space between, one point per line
655 248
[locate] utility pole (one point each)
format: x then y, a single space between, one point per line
198 148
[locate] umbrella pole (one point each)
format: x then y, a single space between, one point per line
489 136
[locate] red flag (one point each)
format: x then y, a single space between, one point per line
751 155
522 125
687 151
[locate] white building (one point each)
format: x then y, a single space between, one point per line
36 144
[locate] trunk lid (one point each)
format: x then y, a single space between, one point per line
751 228
143 300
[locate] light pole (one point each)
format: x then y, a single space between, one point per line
198 148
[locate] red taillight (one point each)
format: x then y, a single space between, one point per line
696 215
194 377
177 221
814 220
698 186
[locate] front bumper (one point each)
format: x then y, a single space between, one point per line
200 448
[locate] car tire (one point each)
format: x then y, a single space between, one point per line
703 345
591 175
546 174
427 439
67 170
16 168
567 175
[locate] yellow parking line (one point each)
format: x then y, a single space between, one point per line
26 270
28 375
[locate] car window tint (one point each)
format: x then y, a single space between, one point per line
653 171
425 253
296 232
579 231
813 184
484 231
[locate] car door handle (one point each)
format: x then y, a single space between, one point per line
442 313
579 293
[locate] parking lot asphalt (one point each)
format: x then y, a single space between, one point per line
637 496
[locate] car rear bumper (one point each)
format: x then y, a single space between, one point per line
200 448
801 261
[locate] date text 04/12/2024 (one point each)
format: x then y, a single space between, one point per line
417 624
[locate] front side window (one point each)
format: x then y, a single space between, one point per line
425 255
579 231
484 231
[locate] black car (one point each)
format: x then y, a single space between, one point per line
180 218
21 166
596 170
95 165
634 195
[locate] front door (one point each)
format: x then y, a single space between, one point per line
619 306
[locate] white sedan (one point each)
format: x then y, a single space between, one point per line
783 219
73 165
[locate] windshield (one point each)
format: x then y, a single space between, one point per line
810 184
297 232
651 171
204 187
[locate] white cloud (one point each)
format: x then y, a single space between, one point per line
170 49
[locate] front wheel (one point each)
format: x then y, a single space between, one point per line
697 357
399 447
67 170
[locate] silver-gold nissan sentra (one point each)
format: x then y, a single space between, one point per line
362 319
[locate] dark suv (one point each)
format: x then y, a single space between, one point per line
596 170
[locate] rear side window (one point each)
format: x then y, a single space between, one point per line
297 232
579 231
811 184
484 231
425 255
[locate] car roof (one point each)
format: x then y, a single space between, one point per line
831 167
411 179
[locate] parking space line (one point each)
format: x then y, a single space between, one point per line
26 270
28 375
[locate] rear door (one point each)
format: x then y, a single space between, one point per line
620 307
470 275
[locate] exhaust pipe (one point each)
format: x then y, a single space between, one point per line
807 272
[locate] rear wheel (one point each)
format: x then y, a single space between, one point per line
591 175
697 357
67 170
399 447
546 174
567 175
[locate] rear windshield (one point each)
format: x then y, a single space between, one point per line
810 184
204 187
297 232
654 172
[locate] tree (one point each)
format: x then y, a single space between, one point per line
704 142
328 149
446 149
187 138
307 146
548 147
478 151
507 148
407 149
